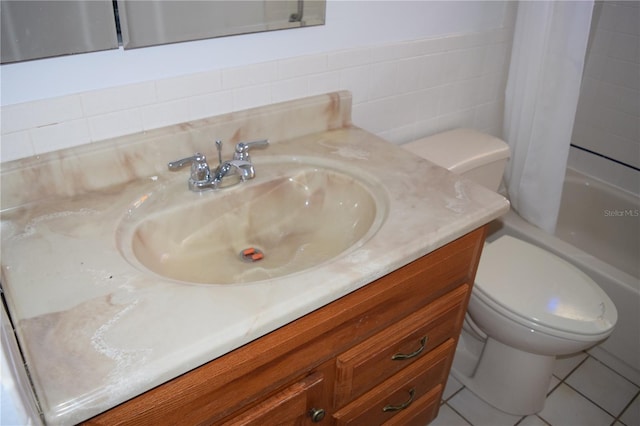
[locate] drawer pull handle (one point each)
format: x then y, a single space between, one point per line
400 357
402 406
317 414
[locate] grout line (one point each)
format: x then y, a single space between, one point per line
562 379
615 416
618 374
460 414
566 376
590 400
626 407
455 393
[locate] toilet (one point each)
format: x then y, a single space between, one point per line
527 305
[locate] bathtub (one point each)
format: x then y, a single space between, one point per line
598 230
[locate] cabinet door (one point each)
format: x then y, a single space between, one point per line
298 404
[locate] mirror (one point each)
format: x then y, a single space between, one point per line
41 29
148 23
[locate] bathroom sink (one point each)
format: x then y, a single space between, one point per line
293 216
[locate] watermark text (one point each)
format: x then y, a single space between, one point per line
622 213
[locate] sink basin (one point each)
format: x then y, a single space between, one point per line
290 218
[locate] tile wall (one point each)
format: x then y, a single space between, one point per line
608 116
401 91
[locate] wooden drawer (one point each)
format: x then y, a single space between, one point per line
411 392
398 346
421 412
294 405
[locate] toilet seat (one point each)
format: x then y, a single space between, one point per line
542 291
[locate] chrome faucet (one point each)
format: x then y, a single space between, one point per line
243 168
202 178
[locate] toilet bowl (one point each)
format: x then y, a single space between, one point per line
527 305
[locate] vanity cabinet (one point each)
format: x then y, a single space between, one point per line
380 354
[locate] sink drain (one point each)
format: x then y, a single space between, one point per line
251 254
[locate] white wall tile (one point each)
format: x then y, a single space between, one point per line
427 103
251 96
406 110
390 52
431 70
41 113
375 116
608 115
595 65
426 127
118 98
17 117
383 79
625 47
465 118
164 114
615 97
491 87
495 57
626 17
286 90
623 73
115 124
400 135
458 96
409 75
462 41
325 82
210 104
349 58
488 118
59 136
464 64
234 78
301 66
16 145
356 80
189 85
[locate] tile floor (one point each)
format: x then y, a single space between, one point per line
583 392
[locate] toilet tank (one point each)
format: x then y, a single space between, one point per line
475 155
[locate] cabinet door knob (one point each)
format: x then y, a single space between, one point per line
317 414
423 343
402 406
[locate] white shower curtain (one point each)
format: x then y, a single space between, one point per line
543 85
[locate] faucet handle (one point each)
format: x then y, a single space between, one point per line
242 149
200 173
196 158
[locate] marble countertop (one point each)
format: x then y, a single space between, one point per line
97 330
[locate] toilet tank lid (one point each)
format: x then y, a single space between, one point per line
539 286
460 150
